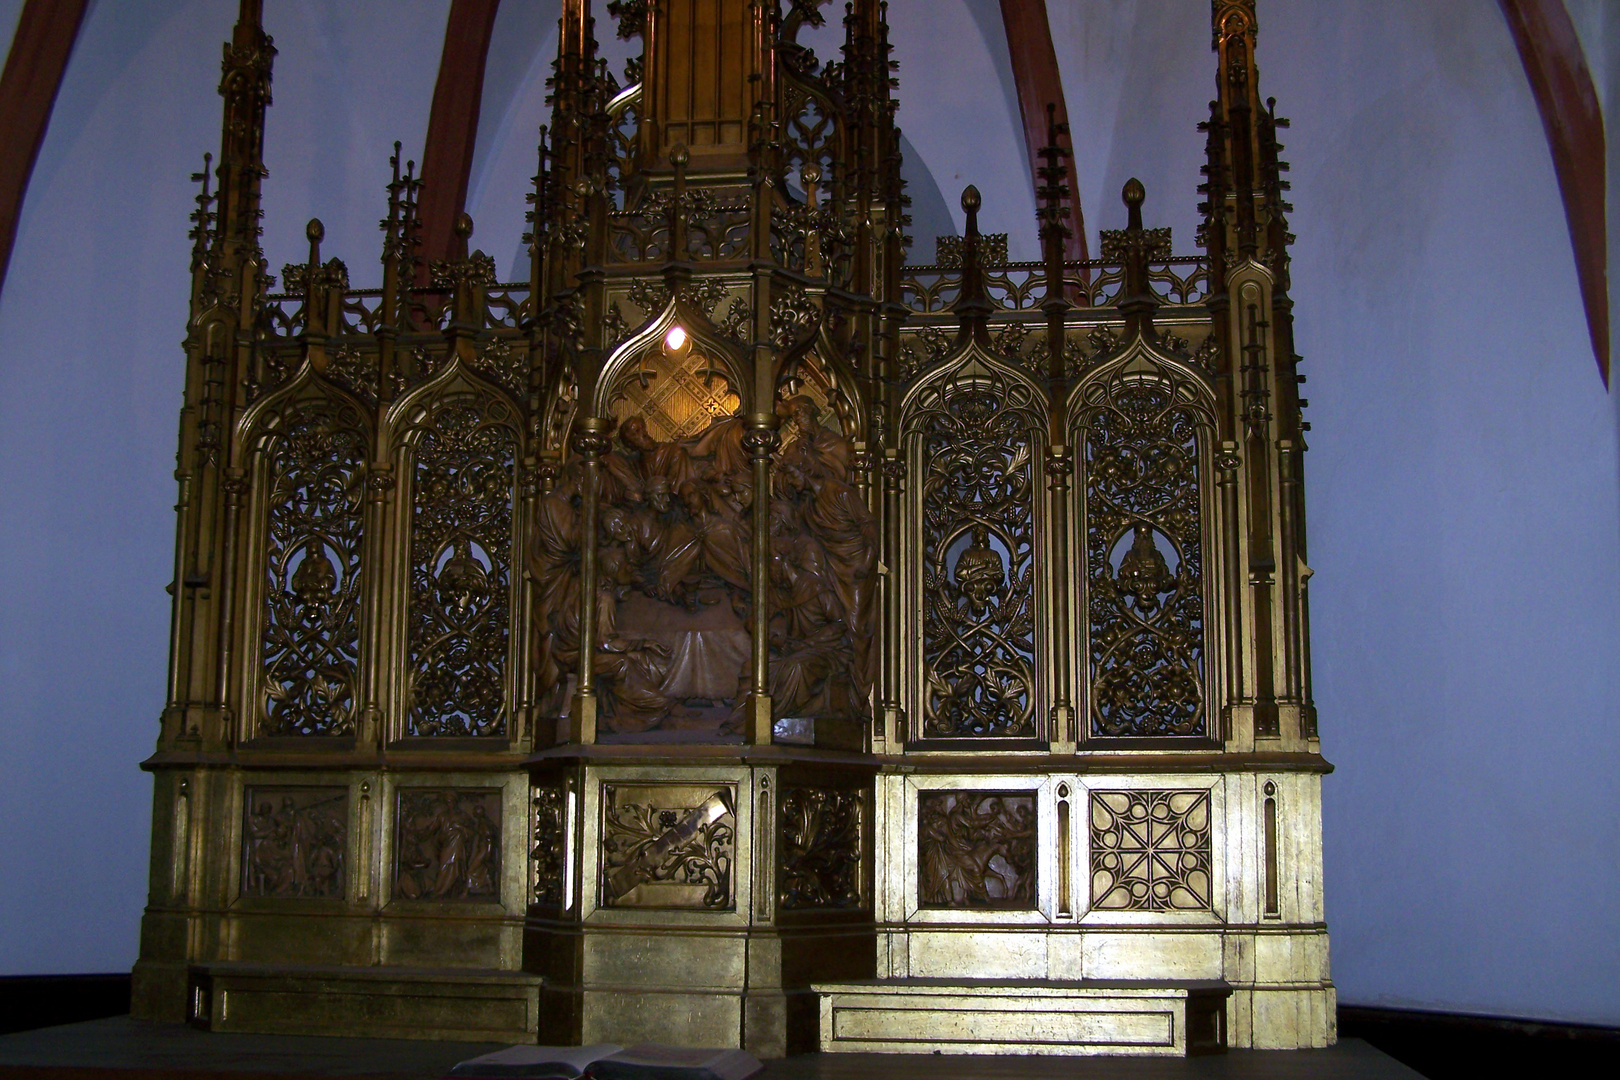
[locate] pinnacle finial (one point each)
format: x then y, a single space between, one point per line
1134 194
679 155
464 226
970 199
315 231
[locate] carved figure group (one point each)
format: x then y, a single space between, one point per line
294 850
674 577
976 850
449 846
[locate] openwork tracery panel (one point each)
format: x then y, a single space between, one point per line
310 641
462 474
1150 850
677 396
1144 557
977 492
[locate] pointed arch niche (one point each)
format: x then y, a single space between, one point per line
1142 426
457 442
304 567
973 433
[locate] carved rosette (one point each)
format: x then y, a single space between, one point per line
976 849
820 848
1150 850
310 644
669 846
448 844
294 842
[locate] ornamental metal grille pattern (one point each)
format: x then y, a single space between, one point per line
1144 560
311 637
461 542
1150 850
978 562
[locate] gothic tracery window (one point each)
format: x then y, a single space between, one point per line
310 640
977 491
463 464
1144 558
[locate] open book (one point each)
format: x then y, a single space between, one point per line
647 1061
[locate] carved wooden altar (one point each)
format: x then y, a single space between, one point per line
738 632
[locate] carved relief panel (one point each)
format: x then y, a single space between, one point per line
1150 851
447 844
546 857
463 459
1144 555
975 438
820 848
314 495
976 849
669 845
294 841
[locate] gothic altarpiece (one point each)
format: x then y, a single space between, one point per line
736 633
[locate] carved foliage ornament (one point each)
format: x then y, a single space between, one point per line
1144 559
546 857
1150 850
820 847
448 845
978 559
669 846
976 849
463 465
293 841
311 637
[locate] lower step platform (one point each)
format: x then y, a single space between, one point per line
1023 1016
371 1002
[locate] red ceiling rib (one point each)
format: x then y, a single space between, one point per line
1556 66
39 54
1035 72
453 123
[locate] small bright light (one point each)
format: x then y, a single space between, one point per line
675 340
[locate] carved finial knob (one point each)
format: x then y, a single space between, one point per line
970 198
1134 193
315 230
679 155
464 225
811 173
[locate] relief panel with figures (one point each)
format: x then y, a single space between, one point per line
448 844
294 842
976 849
675 565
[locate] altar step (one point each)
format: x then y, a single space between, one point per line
1023 1016
468 1004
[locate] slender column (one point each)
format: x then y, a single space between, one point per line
1053 192
761 441
590 442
